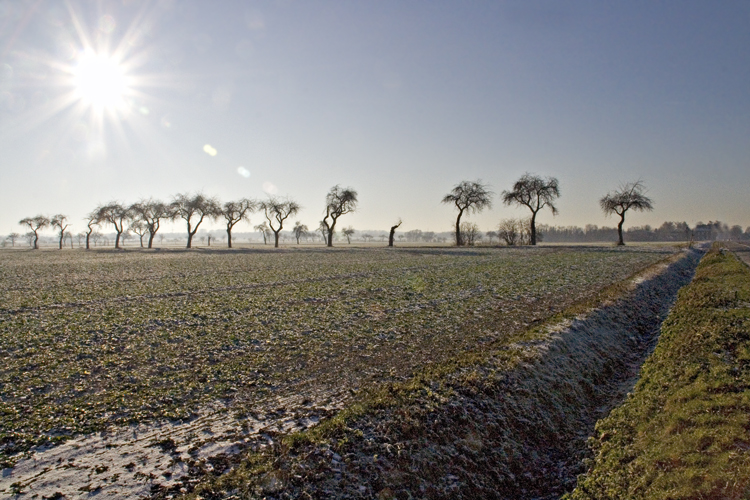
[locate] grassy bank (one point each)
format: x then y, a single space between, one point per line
684 432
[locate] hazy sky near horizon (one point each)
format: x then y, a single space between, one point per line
400 100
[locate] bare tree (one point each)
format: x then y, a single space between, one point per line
393 232
150 213
470 233
139 228
413 235
59 221
535 193
236 211
338 202
92 220
626 197
81 237
13 237
263 228
194 210
508 231
278 211
491 235
35 224
299 230
468 196
348 232
69 237
116 214
30 238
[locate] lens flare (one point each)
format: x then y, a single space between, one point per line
210 150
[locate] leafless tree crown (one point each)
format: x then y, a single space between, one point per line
468 196
628 196
535 193
149 214
300 230
236 211
194 209
339 201
278 210
116 214
60 222
35 224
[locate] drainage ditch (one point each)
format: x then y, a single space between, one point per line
492 433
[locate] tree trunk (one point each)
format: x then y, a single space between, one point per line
62 235
459 240
619 229
229 238
117 241
190 240
330 235
87 241
276 239
533 228
36 241
150 238
390 236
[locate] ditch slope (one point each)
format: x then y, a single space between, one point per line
683 431
511 422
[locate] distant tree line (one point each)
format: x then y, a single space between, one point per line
531 191
146 217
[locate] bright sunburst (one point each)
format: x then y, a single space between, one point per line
100 81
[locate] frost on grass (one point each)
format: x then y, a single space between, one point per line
89 341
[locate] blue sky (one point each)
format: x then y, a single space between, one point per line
399 100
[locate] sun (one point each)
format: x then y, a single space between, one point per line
100 81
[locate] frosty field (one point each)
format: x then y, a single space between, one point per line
102 340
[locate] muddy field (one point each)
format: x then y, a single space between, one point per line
134 372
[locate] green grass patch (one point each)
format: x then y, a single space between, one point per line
684 432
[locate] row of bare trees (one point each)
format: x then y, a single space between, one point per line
146 216
536 193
